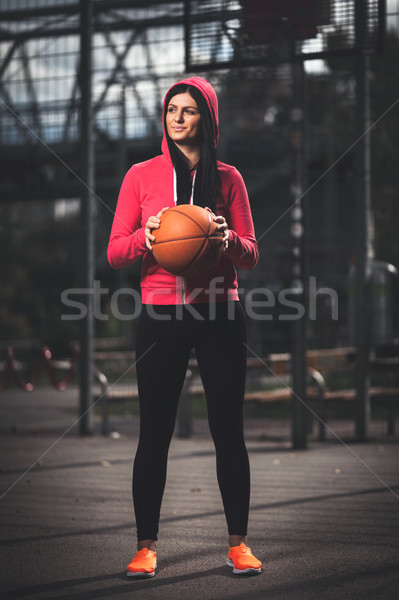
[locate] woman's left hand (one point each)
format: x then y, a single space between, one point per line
222 226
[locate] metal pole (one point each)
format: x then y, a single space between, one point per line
363 251
87 216
299 279
187 31
121 171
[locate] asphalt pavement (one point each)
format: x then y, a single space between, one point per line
324 521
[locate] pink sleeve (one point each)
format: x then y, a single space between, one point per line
127 240
243 247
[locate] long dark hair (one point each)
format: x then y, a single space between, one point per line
207 180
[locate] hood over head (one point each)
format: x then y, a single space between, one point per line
209 94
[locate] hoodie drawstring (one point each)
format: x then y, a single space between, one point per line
175 187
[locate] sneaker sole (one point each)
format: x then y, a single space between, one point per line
141 574
250 571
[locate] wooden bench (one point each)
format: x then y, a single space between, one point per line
334 363
322 365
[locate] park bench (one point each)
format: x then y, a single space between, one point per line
323 366
330 380
333 365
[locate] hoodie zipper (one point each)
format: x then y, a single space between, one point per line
183 290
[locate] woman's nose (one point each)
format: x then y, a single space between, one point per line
179 116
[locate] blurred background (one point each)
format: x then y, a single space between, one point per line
299 83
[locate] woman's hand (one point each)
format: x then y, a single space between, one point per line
222 226
152 223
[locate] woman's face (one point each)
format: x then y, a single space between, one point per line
183 120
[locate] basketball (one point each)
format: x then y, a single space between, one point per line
187 242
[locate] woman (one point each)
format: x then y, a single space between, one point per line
180 314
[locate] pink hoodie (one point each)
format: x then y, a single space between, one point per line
146 189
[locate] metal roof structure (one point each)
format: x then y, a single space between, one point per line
137 50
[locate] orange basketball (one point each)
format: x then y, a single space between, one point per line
187 242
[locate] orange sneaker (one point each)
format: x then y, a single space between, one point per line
243 561
143 564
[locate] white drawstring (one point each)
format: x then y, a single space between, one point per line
192 187
175 187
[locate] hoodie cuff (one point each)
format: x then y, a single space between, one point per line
140 239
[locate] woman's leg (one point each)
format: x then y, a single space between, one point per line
222 356
162 356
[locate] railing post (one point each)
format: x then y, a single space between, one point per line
364 235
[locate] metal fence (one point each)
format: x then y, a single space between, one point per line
139 50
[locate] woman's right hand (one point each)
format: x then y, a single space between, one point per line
152 223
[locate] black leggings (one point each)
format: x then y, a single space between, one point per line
218 334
